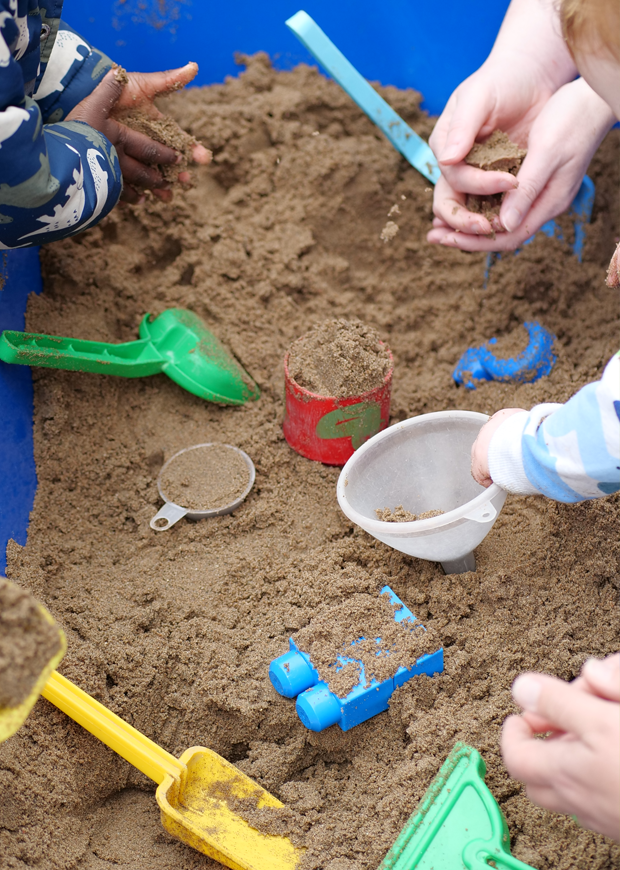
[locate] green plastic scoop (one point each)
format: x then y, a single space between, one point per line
458 825
175 342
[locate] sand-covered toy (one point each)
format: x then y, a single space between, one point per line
344 667
31 646
194 792
517 357
338 383
206 480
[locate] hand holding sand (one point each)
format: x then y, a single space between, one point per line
561 140
119 96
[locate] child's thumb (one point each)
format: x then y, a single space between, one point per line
468 119
97 106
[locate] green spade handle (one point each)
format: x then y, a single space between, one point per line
132 359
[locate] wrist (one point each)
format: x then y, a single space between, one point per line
505 456
533 32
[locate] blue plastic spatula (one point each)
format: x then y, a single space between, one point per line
400 134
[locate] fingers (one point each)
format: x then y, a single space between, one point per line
527 758
201 155
471 111
566 707
138 175
449 207
143 148
613 272
144 87
131 196
535 173
469 179
480 447
603 676
479 464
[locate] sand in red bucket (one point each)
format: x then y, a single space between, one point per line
348 360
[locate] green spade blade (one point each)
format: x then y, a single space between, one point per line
458 825
175 342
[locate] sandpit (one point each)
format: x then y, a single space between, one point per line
175 632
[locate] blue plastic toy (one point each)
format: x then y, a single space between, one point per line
400 134
581 214
479 363
293 674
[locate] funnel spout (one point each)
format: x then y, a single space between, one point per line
460 566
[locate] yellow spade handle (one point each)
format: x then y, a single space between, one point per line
133 746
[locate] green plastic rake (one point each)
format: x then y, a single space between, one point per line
458 825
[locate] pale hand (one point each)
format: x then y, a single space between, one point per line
575 770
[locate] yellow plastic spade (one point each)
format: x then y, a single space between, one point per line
193 791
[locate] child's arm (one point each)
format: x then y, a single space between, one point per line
70 70
575 770
567 452
54 179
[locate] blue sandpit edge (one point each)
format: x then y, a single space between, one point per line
21 275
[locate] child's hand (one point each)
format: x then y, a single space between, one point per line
561 132
143 88
136 152
576 770
480 447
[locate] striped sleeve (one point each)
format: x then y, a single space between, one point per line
567 452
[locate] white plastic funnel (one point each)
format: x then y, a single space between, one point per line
424 464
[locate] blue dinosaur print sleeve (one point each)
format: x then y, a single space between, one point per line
567 452
56 177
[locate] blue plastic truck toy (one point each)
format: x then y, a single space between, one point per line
293 675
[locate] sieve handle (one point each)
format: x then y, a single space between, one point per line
167 516
486 513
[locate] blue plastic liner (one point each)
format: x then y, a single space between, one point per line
396 42
20 275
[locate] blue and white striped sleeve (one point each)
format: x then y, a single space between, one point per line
567 452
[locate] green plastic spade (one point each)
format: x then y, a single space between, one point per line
458 825
175 342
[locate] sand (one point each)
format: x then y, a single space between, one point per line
362 628
175 632
498 153
165 130
27 643
401 515
205 478
340 358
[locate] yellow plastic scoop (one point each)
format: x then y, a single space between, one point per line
194 791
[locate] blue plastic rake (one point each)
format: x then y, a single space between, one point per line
403 138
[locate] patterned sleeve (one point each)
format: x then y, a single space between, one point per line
55 179
567 452
70 69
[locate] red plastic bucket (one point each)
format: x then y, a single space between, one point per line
328 429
